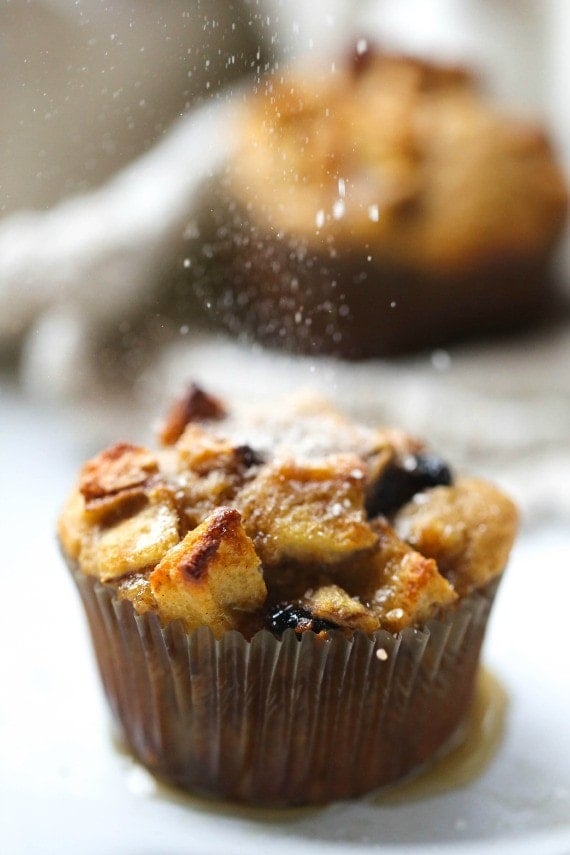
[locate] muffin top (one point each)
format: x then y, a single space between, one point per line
291 516
401 158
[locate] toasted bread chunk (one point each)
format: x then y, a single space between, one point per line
468 528
310 512
132 543
195 405
203 452
402 587
136 588
72 525
121 467
122 504
212 470
210 576
332 603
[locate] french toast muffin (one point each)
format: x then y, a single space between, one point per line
377 207
286 607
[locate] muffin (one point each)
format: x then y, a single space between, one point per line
286 607
377 207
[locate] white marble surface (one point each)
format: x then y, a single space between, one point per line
65 788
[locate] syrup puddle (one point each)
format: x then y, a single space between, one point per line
472 751
474 748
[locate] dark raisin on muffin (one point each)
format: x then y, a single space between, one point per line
403 478
295 616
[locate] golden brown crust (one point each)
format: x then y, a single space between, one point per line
308 512
132 543
468 528
427 75
72 525
332 603
210 470
121 467
194 406
137 590
210 576
402 586
203 452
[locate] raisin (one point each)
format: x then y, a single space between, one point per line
294 616
194 406
405 477
248 457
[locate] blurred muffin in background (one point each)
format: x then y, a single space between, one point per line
375 207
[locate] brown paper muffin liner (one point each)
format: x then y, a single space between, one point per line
284 721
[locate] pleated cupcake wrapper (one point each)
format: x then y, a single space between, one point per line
283 721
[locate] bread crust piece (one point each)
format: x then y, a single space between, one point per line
195 405
121 467
468 528
210 576
332 603
212 470
133 542
310 512
136 588
400 586
72 525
